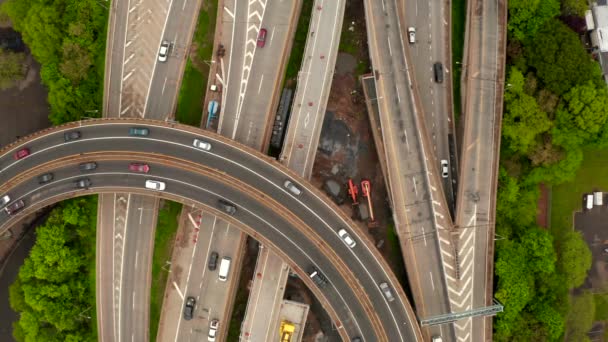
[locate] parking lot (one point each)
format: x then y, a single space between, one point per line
593 223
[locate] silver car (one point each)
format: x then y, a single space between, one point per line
4 200
203 145
386 290
292 188
163 52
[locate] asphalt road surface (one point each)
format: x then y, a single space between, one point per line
311 207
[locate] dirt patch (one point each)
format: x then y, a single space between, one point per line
543 205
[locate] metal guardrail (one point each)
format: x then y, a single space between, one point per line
455 316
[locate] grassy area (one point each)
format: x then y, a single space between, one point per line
567 198
396 258
163 248
459 8
299 42
191 94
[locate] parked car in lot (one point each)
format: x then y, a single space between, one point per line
214 326
163 52
189 308
4 200
139 167
83 183
139 131
203 145
45 178
262 38
155 185
386 290
22 153
227 207
292 188
73 135
212 264
348 240
14 207
88 166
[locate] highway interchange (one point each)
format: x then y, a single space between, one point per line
417 138
226 160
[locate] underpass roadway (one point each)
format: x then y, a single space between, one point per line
137 85
483 83
420 211
230 165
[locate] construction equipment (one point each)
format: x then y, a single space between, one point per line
287 330
353 191
366 191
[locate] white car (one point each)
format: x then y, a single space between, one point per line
4 200
203 145
386 290
163 52
155 185
292 188
346 238
411 34
213 328
444 168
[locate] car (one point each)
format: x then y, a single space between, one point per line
139 131
212 264
444 168
83 183
262 38
214 326
4 200
292 188
14 207
317 277
348 240
356 339
203 145
189 308
45 178
73 135
88 166
22 153
155 185
437 339
386 290
139 167
163 52
438 72
227 207
411 35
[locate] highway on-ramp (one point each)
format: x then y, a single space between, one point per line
357 312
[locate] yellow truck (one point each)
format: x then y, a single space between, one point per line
287 329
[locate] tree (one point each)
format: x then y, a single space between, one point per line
574 259
574 7
582 115
12 68
76 61
545 153
580 317
527 16
560 59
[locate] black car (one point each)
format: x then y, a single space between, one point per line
226 206
213 261
189 308
83 183
438 72
73 135
317 277
89 166
45 178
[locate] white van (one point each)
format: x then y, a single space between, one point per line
589 201
598 197
224 268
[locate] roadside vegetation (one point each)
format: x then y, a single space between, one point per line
68 39
299 42
54 293
555 110
459 11
192 92
166 228
12 68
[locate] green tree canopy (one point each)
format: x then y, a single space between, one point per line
527 16
559 58
574 258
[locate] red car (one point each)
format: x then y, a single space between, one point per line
22 153
262 38
137 167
